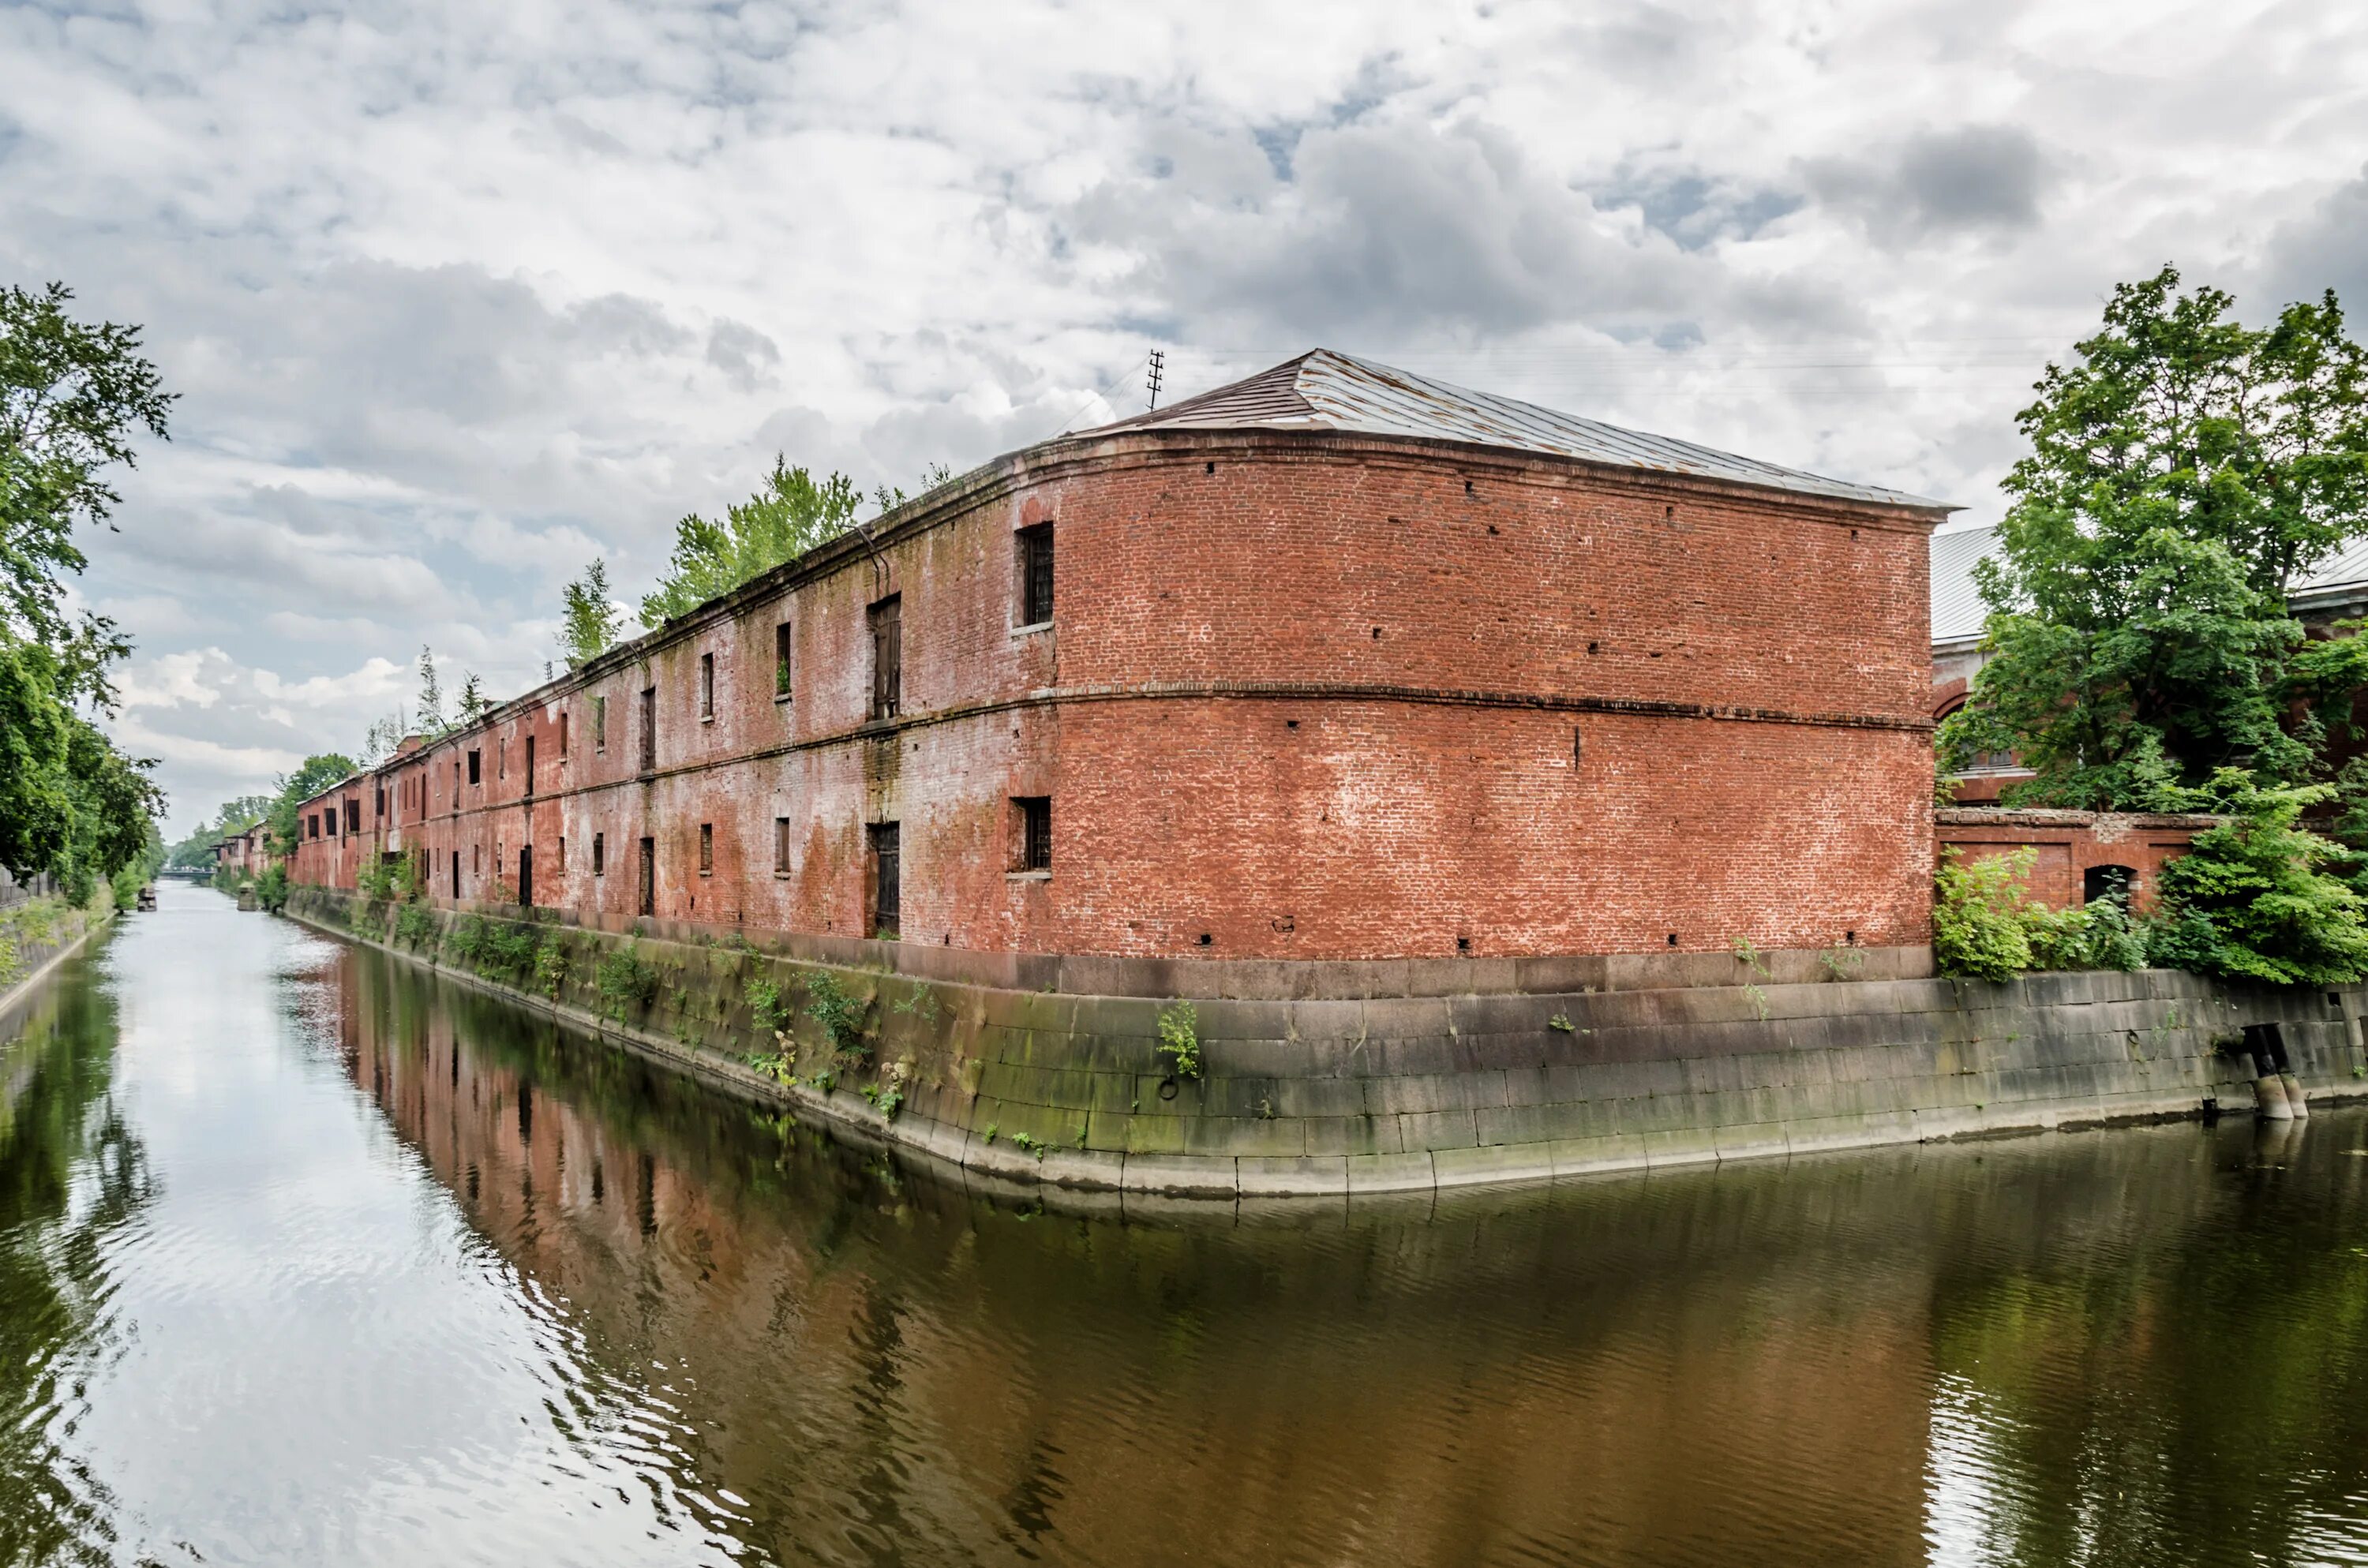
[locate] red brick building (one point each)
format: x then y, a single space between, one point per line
1332 663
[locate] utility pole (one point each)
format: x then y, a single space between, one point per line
1158 363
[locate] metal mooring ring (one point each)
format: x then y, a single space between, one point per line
1169 1087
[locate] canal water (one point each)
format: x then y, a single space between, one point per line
307 1257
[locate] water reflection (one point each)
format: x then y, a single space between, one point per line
527 1296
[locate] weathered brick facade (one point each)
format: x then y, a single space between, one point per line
1303 696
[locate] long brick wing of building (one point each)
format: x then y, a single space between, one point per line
1334 665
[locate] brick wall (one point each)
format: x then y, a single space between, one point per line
2066 845
1307 696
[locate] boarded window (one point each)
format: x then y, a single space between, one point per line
1036 575
1035 832
502 757
887 879
706 847
887 657
648 898
600 724
600 854
707 686
781 843
649 729
781 663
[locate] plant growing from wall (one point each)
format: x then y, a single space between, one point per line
416 925
766 1006
551 968
624 982
1179 1039
840 1013
588 619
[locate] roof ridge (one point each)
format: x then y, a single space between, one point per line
1329 389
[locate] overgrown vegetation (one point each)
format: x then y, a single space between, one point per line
589 620
1986 926
840 1014
2185 471
624 982
1179 1039
793 512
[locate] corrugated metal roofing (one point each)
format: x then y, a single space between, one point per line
1323 389
1958 611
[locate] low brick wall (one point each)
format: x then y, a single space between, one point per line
2067 845
1339 1096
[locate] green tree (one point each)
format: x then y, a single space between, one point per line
317 774
2252 899
791 514
473 704
72 395
2184 472
589 619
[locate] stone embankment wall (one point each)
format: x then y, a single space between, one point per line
34 936
1344 1095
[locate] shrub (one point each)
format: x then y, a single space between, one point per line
415 925
624 981
551 968
766 1006
1179 1039
1979 929
840 1013
271 888
2249 900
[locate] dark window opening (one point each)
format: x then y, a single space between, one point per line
2108 881
600 854
502 757
707 686
706 848
353 816
562 733
379 807
1036 575
600 724
456 873
312 825
648 899
781 662
781 843
649 729
887 877
530 764
475 767
1035 832
887 657
559 856
526 874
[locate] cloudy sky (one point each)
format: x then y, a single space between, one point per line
456 297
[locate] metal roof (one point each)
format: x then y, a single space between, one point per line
1323 389
1958 611
1337 391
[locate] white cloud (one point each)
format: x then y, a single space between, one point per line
458 296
